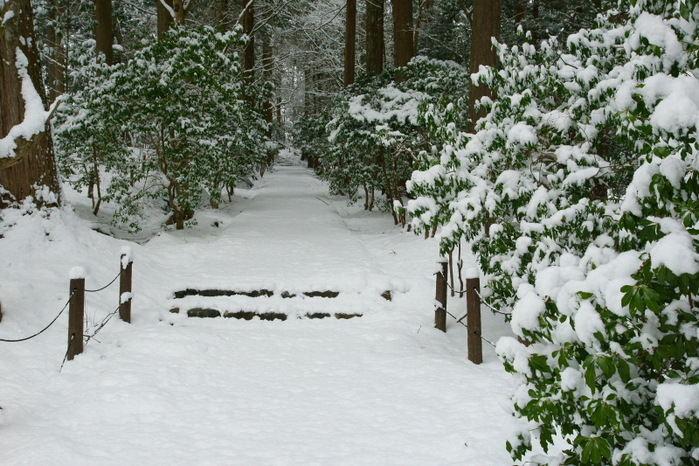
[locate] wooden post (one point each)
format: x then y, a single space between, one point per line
76 313
473 320
125 287
440 313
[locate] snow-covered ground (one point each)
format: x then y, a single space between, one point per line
385 388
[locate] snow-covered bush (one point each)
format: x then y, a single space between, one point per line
579 192
178 105
375 130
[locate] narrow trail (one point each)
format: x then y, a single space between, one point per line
382 389
287 236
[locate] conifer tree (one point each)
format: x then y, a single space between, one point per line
27 161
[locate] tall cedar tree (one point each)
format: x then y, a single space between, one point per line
104 32
56 68
32 166
164 16
248 26
403 32
485 25
350 40
374 36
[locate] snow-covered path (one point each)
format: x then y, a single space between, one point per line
288 238
381 389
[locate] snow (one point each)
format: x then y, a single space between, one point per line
35 117
8 15
684 398
587 323
385 388
526 312
571 380
675 251
126 254
658 33
169 9
77 273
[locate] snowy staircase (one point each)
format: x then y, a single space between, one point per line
268 304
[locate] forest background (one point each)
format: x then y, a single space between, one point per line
568 167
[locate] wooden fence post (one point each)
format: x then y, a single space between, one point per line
76 313
440 313
125 287
473 320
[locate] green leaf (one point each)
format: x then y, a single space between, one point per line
591 377
684 11
594 449
624 370
607 365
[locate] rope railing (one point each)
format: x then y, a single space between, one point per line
473 311
4 340
77 319
459 321
98 327
496 311
105 286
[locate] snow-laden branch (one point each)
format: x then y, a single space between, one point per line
35 117
169 9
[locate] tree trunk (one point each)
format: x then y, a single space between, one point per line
307 93
350 41
180 11
278 106
165 18
267 69
249 52
486 25
223 16
104 31
520 10
374 36
56 69
423 13
31 167
403 32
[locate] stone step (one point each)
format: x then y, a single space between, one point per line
279 305
387 295
250 315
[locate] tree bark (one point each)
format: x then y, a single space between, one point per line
403 32
104 30
223 17
249 52
267 69
32 167
423 13
374 36
56 69
350 41
486 25
165 19
520 10
180 11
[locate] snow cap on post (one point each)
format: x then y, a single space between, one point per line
126 256
472 272
76 273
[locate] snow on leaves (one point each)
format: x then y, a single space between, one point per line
579 194
171 123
